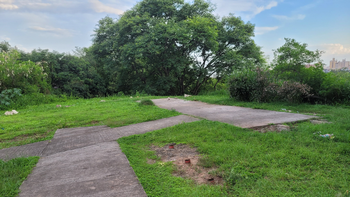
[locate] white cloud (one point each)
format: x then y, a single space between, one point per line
245 8
7 5
62 6
334 49
100 7
257 10
263 30
51 30
289 18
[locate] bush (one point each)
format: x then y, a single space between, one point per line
335 87
249 85
293 92
7 96
259 85
146 102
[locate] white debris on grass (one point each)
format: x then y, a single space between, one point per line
187 95
130 96
102 101
11 112
58 105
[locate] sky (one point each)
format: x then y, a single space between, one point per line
62 25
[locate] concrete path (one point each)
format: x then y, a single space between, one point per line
85 161
238 116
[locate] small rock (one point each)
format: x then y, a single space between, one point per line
168 98
58 106
11 112
130 96
187 95
282 127
102 101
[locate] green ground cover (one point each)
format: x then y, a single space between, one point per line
37 123
13 173
296 163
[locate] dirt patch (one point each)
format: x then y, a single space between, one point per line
272 128
192 170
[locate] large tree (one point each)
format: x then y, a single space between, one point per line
168 47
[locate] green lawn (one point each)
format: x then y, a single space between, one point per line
296 163
37 123
13 173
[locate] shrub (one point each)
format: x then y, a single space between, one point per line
249 85
259 85
7 96
146 102
335 87
293 92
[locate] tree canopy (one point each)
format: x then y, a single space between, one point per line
168 47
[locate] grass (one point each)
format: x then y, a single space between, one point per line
38 123
296 163
13 173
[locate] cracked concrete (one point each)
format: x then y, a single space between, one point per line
85 161
238 116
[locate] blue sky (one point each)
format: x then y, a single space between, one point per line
61 25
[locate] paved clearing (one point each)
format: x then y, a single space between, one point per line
87 161
238 116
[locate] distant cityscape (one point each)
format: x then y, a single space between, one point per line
335 65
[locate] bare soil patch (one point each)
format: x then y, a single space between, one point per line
272 128
192 170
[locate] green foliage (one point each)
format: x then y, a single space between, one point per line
13 173
165 47
335 87
7 96
146 102
258 85
71 75
289 64
250 85
26 75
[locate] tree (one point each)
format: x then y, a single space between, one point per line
168 47
290 60
25 75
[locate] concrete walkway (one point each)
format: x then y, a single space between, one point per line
238 116
85 161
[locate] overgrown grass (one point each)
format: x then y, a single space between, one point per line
339 115
37 123
13 173
296 163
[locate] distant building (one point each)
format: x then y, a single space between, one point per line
335 65
310 65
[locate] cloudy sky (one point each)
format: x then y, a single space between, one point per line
61 25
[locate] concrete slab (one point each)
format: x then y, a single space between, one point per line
97 170
238 116
73 132
70 139
34 149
